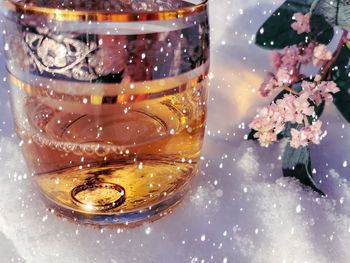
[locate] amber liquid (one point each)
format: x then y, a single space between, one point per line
150 148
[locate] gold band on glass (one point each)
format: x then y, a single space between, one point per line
77 88
99 16
101 100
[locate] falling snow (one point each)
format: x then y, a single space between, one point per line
240 208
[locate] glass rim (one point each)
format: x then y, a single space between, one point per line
104 16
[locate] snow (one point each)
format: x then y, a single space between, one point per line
240 208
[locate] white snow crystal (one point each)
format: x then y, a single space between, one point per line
298 209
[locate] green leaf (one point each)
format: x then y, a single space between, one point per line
341 76
286 133
336 12
276 32
321 30
297 164
251 135
319 109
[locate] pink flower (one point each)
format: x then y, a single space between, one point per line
302 23
276 60
318 78
308 134
267 124
290 56
303 107
321 91
267 86
299 138
314 132
267 119
328 87
265 139
285 76
294 109
306 54
293 55
313 91
271 120
286 107
321 55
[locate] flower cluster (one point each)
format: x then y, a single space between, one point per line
268 123
302 23
271 120
320 91
321 55
306 135
295 109
284 76
288 62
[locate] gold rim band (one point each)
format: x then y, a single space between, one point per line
102 100
100 16
105 89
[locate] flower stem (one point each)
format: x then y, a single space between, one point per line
291 90
306 122
327 66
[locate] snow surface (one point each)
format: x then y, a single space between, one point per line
240 209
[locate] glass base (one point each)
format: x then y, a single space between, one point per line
125 219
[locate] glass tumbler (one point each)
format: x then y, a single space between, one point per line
109 99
